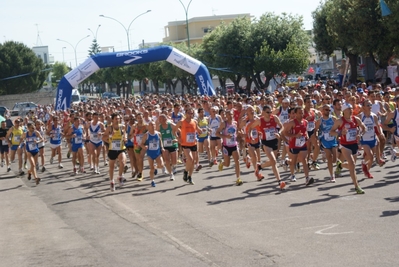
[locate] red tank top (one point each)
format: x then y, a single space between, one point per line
351 136
299 128
268 128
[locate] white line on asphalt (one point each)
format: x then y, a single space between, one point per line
326 227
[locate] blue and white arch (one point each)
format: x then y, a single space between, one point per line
105 60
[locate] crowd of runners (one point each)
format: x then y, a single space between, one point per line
291 130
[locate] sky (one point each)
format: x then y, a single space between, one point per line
37 23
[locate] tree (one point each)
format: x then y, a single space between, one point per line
21 71
58 71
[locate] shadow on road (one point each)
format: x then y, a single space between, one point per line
11 188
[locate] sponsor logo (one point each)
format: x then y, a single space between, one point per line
83 75
133 54
61 102
205 87
183 62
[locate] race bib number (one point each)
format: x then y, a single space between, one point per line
190 137
369 128
351 135
94 137
167 142
17 138
311 126
78 140
231 141
4 142
254 133
32 146
300 142
213 132
328 137
153 146
116 145
139 137
270 134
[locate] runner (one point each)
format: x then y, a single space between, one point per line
15 133
4 148
215 142
137 134
77 134
268 124
349 135
116 135
32 138
95 131
152 144
39 125
328 143
203 139
130 146
169 141
55 133
228 132
186 131
296 131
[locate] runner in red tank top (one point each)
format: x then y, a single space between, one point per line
349 136
297 134
268 125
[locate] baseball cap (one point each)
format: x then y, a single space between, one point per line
360 90
335 91
286 100
346 106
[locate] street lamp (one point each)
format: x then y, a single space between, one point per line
186 11
74 47
128 28
95 35
63 58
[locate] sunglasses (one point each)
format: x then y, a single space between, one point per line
327 110
268 112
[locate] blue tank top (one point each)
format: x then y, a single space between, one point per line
55 138
325 128
129 142
78 140
31 145
177 117
153 143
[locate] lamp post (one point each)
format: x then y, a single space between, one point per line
74 47
95 35
63 58
186 11
128 28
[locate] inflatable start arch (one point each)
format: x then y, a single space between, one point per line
104 60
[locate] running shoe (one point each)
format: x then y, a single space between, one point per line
210 164
112 184
8 169
21 172
43 168
140 177
37 181
133 174
364 168
174 170
298 168
121 180
285 165
37 166
282 185
125 169
220 166
381 163
185 176
215 162
60 166
248 162
238 181
68 154
199 167
190 180
338 168
172 177
293 179
369 175
153 184
315 165
74 171
259 175
163 170
393 154
29 176
309 181
179 161
2 163
155 171
359 190
106 163
332 179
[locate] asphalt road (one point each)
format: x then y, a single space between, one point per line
76 220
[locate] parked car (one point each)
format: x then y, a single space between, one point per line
110 95
22 108
230 88
4 111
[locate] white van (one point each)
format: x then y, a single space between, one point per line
75 98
